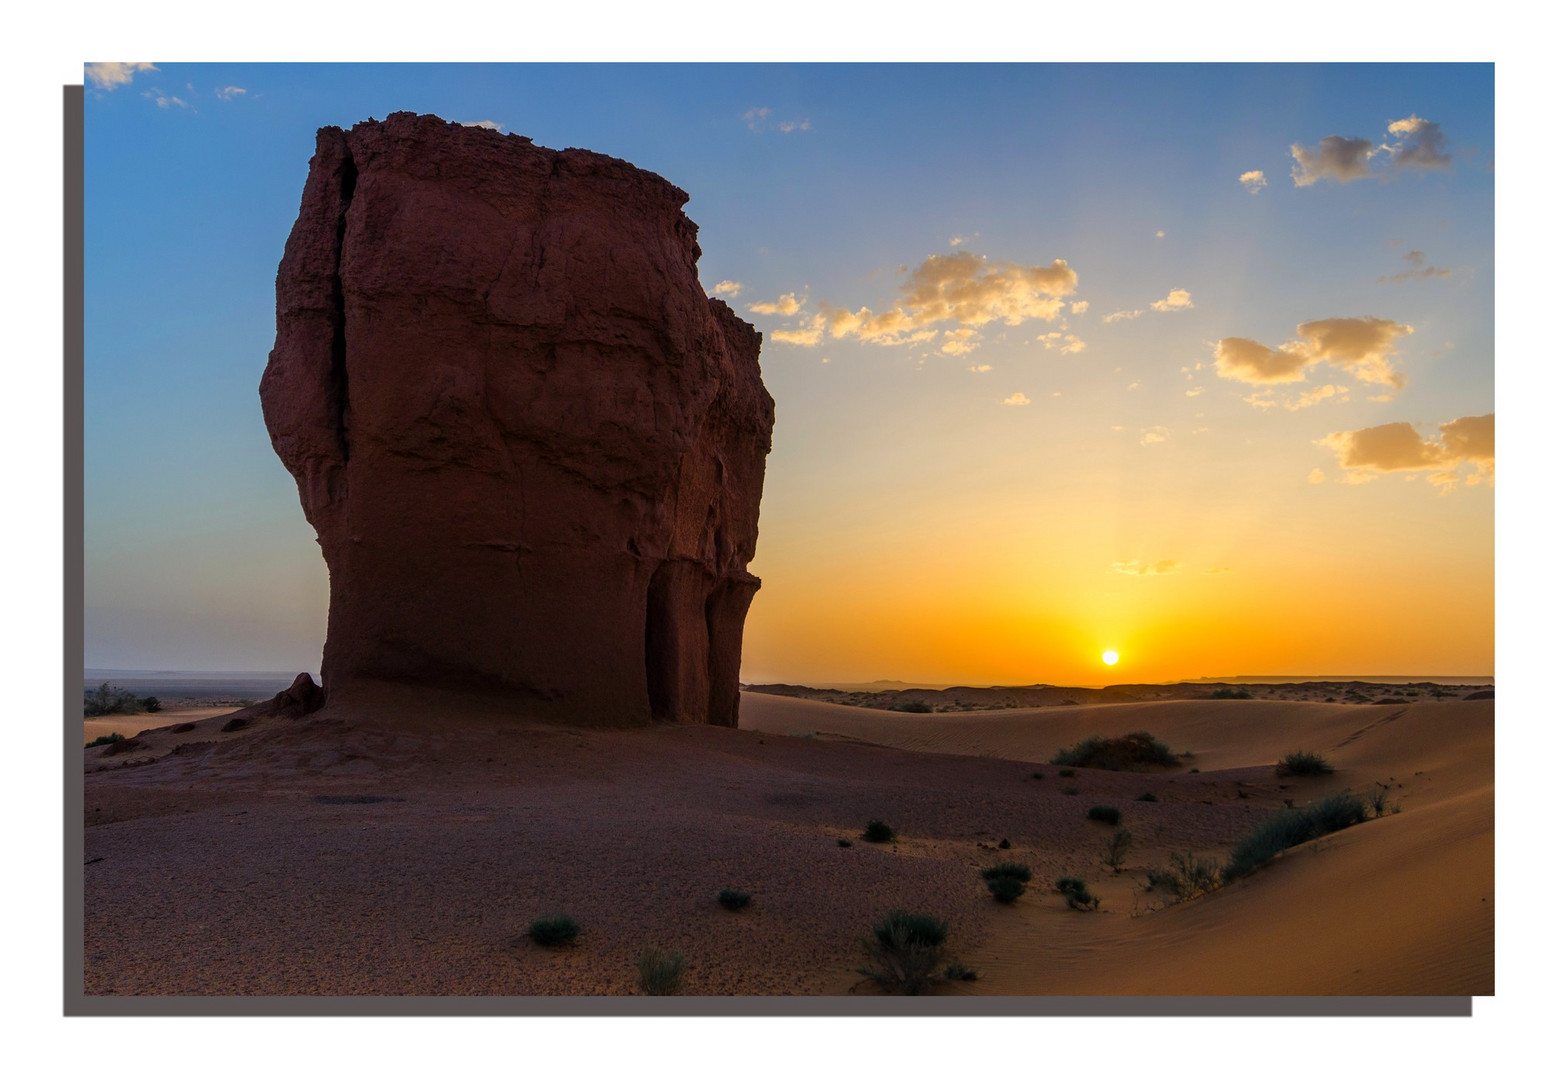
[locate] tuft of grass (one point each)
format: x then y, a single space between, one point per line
1077 895
659 970
104 740
1378 800
1146 796
1005 889
878 832
552 930
958 972
1302 763
734 899
1289 828
1137 751
1117 848
904 950
1108 815
1186 877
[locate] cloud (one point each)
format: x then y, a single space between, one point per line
961 288
1335 158
1195 391
1421 146
784 305
1066 343
1136 385
1160 234
490 125
1017 398
728 288
1218 570
978 369
1156 434
1140 569
1316 476
1315 396
1364 347
1419 270
1176 300
960 342
1123 316
166 100
1253 181
1398 447
758 118
232 93
1079 307
113 76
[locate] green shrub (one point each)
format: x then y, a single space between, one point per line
843 842
1076 893
1339 811
111 701
1302 763
1289 828
1014 870
1005 889
1108 815
104 740
659 970
553 930
879 832
1378 798
151 704
958 972
1136 751
734 899
904 950
1117 847
1186 877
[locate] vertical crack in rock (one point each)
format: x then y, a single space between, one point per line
504 362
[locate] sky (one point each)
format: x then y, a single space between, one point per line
1193 363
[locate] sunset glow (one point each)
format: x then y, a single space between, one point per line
1110 658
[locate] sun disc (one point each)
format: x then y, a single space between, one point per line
1110 658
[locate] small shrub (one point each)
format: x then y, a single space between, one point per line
1069 884
1339 811
843 842
1186 877
734 899
1108 815
1146 796
1005 889
904 950
1302 763
659 970
1067 773
958 972
879 832
1077 895
553 930
1117 847
1037 776
913 707
1013 871
1136 751
104 740
1378 799
151 704
1228 693
110 701
1290 828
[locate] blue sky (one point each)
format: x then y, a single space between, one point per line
833 184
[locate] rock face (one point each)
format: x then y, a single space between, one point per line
531 446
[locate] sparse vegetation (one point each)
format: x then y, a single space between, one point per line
115 701
659 970
1077 895
1117 848
1146 796
1228 693
1067 773
1186 877
879 832
552 930
1007 881
734 899
844 842
958 972
913 707
1137 751
104 740
1289 828
904 950
1303 763
1108 815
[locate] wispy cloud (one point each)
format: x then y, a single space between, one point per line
1145 569
1364 347
1336 158
784 305
165 100
1080 307
963 289
760 118
1065 343
728 288
1417 260
113 76
1253 181
1399 447
1158 434
1123 316
233 93
1017 398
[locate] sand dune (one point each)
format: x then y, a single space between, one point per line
388 851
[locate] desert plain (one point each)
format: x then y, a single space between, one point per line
380 849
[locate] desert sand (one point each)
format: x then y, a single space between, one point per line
384 850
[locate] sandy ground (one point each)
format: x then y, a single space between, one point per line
386 851
134 725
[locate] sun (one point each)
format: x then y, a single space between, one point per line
1110 658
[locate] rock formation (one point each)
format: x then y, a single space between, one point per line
531 446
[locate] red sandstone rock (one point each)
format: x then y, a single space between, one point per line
531 446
